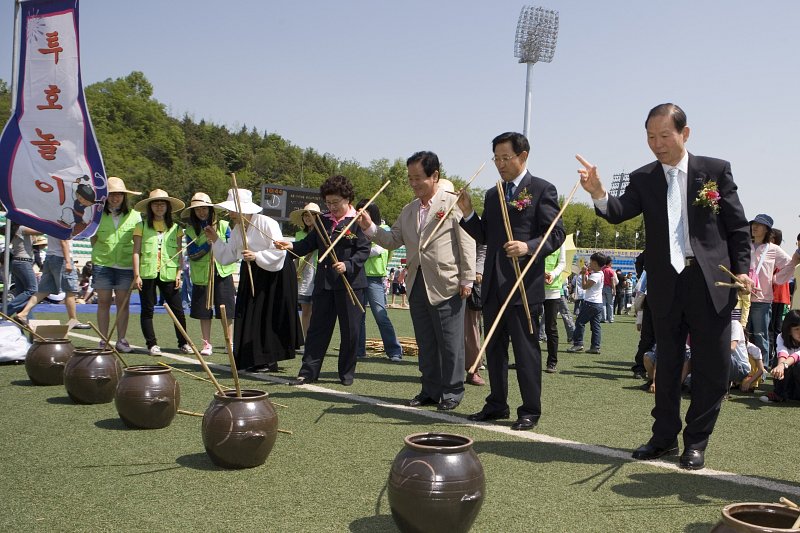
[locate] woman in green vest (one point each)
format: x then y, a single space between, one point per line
202 265
158 262
112 257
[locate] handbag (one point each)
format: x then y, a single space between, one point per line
474 299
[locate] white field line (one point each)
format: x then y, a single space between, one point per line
730 477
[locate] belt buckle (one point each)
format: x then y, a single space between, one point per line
689 261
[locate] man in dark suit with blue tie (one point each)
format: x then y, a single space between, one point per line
532 205
694 223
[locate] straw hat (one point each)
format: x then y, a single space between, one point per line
245 201
116 184
446 184
296 216
200 199
39 240
159 194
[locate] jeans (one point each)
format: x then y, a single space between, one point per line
608 304
758 326
376 296
25 285
590 312
569 324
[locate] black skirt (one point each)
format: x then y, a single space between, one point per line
267 327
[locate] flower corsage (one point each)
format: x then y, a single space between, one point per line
440 214
708 196
523 200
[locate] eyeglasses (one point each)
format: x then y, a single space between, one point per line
335 202
504 159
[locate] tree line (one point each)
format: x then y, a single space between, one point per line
149 149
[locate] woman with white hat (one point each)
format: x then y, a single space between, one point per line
112 259
304 218
200 215
267 328
158 262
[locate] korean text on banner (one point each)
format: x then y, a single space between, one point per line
51 172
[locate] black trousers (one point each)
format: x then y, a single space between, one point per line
527 357
551 329
692 313
647 338
171 296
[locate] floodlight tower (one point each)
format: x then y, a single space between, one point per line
537 33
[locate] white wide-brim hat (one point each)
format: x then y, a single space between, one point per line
200 199
245 202
116 184
296 216
159 194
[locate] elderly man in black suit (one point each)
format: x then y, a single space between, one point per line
532 206
694 223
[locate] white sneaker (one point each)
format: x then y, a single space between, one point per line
123 346
155 350
186 348
207 349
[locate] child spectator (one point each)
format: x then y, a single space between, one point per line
742 374
650 358
592 308
785 374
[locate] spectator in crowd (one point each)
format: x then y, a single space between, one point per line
786 372
22 275
609 290
577 292
307 265
781 299
472 320
554 265
765 259
592 307
375 268
58 275
619 291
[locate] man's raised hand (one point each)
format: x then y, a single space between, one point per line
590 181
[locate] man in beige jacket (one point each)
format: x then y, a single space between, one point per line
439 278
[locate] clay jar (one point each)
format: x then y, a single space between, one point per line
46 359
240 432
756 517
147 397
91 375
436 484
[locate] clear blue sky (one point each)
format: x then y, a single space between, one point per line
365 80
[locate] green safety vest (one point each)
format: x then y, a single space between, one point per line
170 259
114 245
198 268
550 263
375 267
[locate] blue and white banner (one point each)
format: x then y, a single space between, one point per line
51 172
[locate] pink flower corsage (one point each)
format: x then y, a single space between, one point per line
440 214
708 196
523 200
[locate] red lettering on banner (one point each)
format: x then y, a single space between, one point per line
52 45
47 146
46 187
51 95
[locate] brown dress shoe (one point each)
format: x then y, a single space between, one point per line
475 379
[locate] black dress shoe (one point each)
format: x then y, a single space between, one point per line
649 451
692 459
483 416
420 400
523 423
447 405
347 382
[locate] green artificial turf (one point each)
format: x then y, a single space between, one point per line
68 467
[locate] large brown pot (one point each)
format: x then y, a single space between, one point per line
91 375
436 484
240 432
45 361
147 397
756 517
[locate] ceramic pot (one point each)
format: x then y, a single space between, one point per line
91 375
240 432
46 359
756 517
147 396
436 484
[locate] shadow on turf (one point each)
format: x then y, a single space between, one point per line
23 383
115 424
371 524
61 400
198 461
